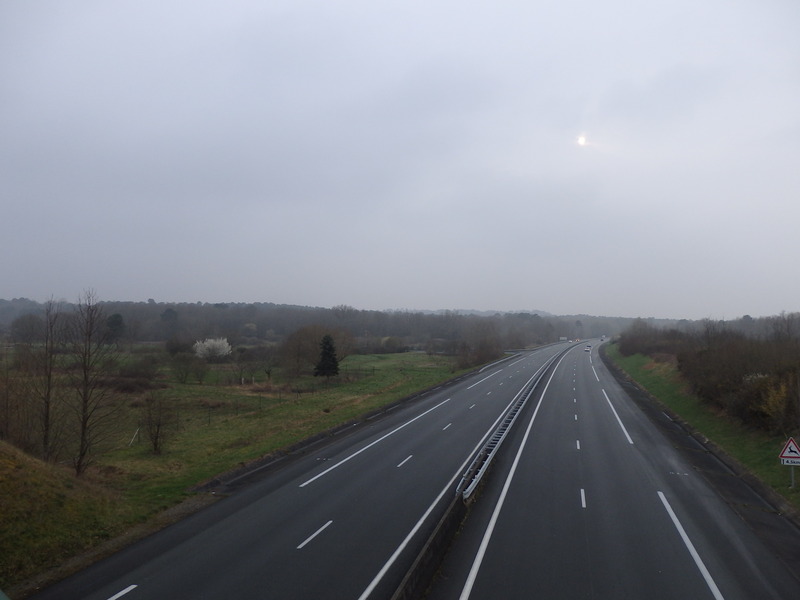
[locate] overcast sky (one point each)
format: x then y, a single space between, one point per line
405 155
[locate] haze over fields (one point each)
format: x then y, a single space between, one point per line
577 157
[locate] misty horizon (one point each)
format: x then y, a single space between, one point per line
586 158
459 310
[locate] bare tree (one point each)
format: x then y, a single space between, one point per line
182 364
199 369
301 349
158 415
251 361
785 326
44 380
10 409
94 405
39 387
481 344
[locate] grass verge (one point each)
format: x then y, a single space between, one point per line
756 450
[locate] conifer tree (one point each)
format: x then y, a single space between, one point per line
328 364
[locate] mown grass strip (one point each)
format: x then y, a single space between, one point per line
756 450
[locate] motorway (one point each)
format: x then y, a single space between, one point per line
346 520
589 500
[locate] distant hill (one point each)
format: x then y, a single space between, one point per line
264 322
484 313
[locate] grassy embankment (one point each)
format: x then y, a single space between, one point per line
48 515
755 450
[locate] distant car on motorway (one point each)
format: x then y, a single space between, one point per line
588 348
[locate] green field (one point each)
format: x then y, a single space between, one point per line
48 515
754 449
220 427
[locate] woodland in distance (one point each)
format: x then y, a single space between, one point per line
74 362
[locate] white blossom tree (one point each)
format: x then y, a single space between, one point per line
212 348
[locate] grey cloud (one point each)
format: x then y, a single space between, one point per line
429 147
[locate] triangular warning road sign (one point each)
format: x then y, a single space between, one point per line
790 450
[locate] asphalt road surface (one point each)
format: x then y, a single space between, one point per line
343 521
590 500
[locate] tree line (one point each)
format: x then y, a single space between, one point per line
372 331
70 370
748 368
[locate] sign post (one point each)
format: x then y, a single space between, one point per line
790 455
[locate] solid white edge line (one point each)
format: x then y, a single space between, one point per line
380 439
697 560
408 458
447 488
315 534
130 588
476 564
625 431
